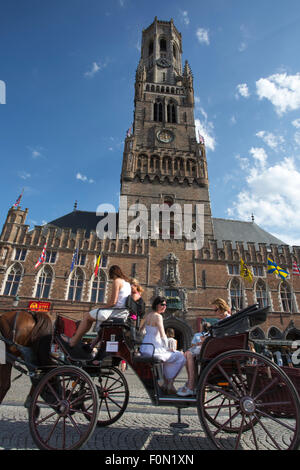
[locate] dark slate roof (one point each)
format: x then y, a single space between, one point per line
239 231
77 220
224 229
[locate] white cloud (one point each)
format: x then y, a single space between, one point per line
242 90
36 152
96 66
272 140
296 123
259 155
297 138
272 194
203 36
185 17
24 175
84 178
242 47
282 90
206 129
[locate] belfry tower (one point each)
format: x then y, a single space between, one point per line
162 160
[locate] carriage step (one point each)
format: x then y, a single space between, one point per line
77 352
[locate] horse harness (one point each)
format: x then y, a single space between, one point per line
34 316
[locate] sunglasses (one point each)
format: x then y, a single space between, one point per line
163 304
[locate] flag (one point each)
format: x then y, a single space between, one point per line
42 257
201 138
129 131
274 268
19 199
296 270
245 272
97 266
74 259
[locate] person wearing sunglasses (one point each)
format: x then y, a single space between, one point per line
221 310
156 336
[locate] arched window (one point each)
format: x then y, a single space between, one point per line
171 112
13 280
286 297
150 50
158 112
44 283
98 288
174 51
76 285
236 295
163 45
261 293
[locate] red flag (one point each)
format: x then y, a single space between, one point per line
42 257
296 270
97 265
19 199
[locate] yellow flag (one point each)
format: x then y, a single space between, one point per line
97 266
245 272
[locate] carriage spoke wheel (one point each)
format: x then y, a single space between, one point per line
113 395
245 401
68 405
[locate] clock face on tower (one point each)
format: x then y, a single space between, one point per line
165 136
162 62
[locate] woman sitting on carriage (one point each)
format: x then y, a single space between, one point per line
222 310
115 308
156 336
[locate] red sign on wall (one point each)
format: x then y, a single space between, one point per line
39 306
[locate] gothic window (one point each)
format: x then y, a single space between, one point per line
158 112
98 288
20 254
13 280
150 48
171 112
76 285
44 283
163 45
236 295
174 51
258 271
81 259
261 293
286 297
233 269
51 257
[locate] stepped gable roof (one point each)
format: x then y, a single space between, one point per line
239 231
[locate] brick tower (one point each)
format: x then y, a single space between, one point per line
162 160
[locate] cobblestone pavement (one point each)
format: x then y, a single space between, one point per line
142 426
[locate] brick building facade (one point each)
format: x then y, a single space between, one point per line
163 166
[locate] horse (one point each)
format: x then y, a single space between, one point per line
27 329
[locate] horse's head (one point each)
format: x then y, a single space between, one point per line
25 328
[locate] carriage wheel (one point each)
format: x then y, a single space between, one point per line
250 397
113 395
68 404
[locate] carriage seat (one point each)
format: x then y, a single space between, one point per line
146 359
240 322
115 322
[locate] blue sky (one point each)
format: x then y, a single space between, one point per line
69 69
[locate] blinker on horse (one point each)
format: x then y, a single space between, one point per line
27 329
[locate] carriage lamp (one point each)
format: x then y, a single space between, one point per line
16 301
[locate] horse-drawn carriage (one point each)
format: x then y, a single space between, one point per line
243 399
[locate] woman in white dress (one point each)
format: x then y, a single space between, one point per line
115 308
155 334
